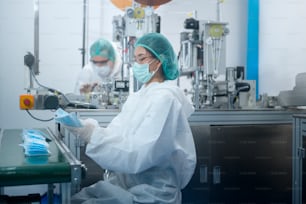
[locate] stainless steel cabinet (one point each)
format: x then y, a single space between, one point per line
241 164
299 155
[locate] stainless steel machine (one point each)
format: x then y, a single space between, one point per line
298 159
244 145
203 59
242 155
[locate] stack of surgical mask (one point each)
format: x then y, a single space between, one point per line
67 119
35 143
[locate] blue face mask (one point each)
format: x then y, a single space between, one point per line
34 134
142 72
34 143
68 119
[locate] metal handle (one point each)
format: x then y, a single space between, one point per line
203 173
216 175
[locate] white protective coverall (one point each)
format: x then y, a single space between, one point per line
88 76
148 149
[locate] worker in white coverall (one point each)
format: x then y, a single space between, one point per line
148 148
104 67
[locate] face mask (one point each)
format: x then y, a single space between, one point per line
142 72
103 71
68 119
33 134
34 143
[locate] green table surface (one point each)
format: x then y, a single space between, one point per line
18 169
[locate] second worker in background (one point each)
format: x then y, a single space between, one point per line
103 67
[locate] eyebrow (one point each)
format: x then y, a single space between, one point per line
140 55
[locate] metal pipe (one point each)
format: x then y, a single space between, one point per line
219 2
83 50
31 80
36 40
197 90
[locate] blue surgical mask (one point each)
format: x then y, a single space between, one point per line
34 143
142 72
34 134
67 119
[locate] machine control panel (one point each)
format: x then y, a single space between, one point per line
38 102
26 101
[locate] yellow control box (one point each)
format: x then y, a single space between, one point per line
26 101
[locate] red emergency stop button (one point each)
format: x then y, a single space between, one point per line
26 101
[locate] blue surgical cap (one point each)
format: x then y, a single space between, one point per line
103 48
161 48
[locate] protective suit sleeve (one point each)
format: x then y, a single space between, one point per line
145 137
83 78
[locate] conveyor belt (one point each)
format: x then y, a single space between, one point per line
17 169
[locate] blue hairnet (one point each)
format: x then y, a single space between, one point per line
103 48
159 46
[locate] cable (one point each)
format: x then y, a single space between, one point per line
49 89
42 120
29 60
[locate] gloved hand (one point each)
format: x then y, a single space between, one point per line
67 119
85 132
86 88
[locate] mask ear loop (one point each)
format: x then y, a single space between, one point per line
153 72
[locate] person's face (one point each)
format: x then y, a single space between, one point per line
142 56
102 61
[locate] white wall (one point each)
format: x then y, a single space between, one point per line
60 59
282 44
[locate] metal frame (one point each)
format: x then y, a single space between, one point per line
36 36
238 117
210 117
298 154
76 171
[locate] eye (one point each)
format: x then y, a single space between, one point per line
142 59
139 60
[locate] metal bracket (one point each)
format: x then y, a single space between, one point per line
301 152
